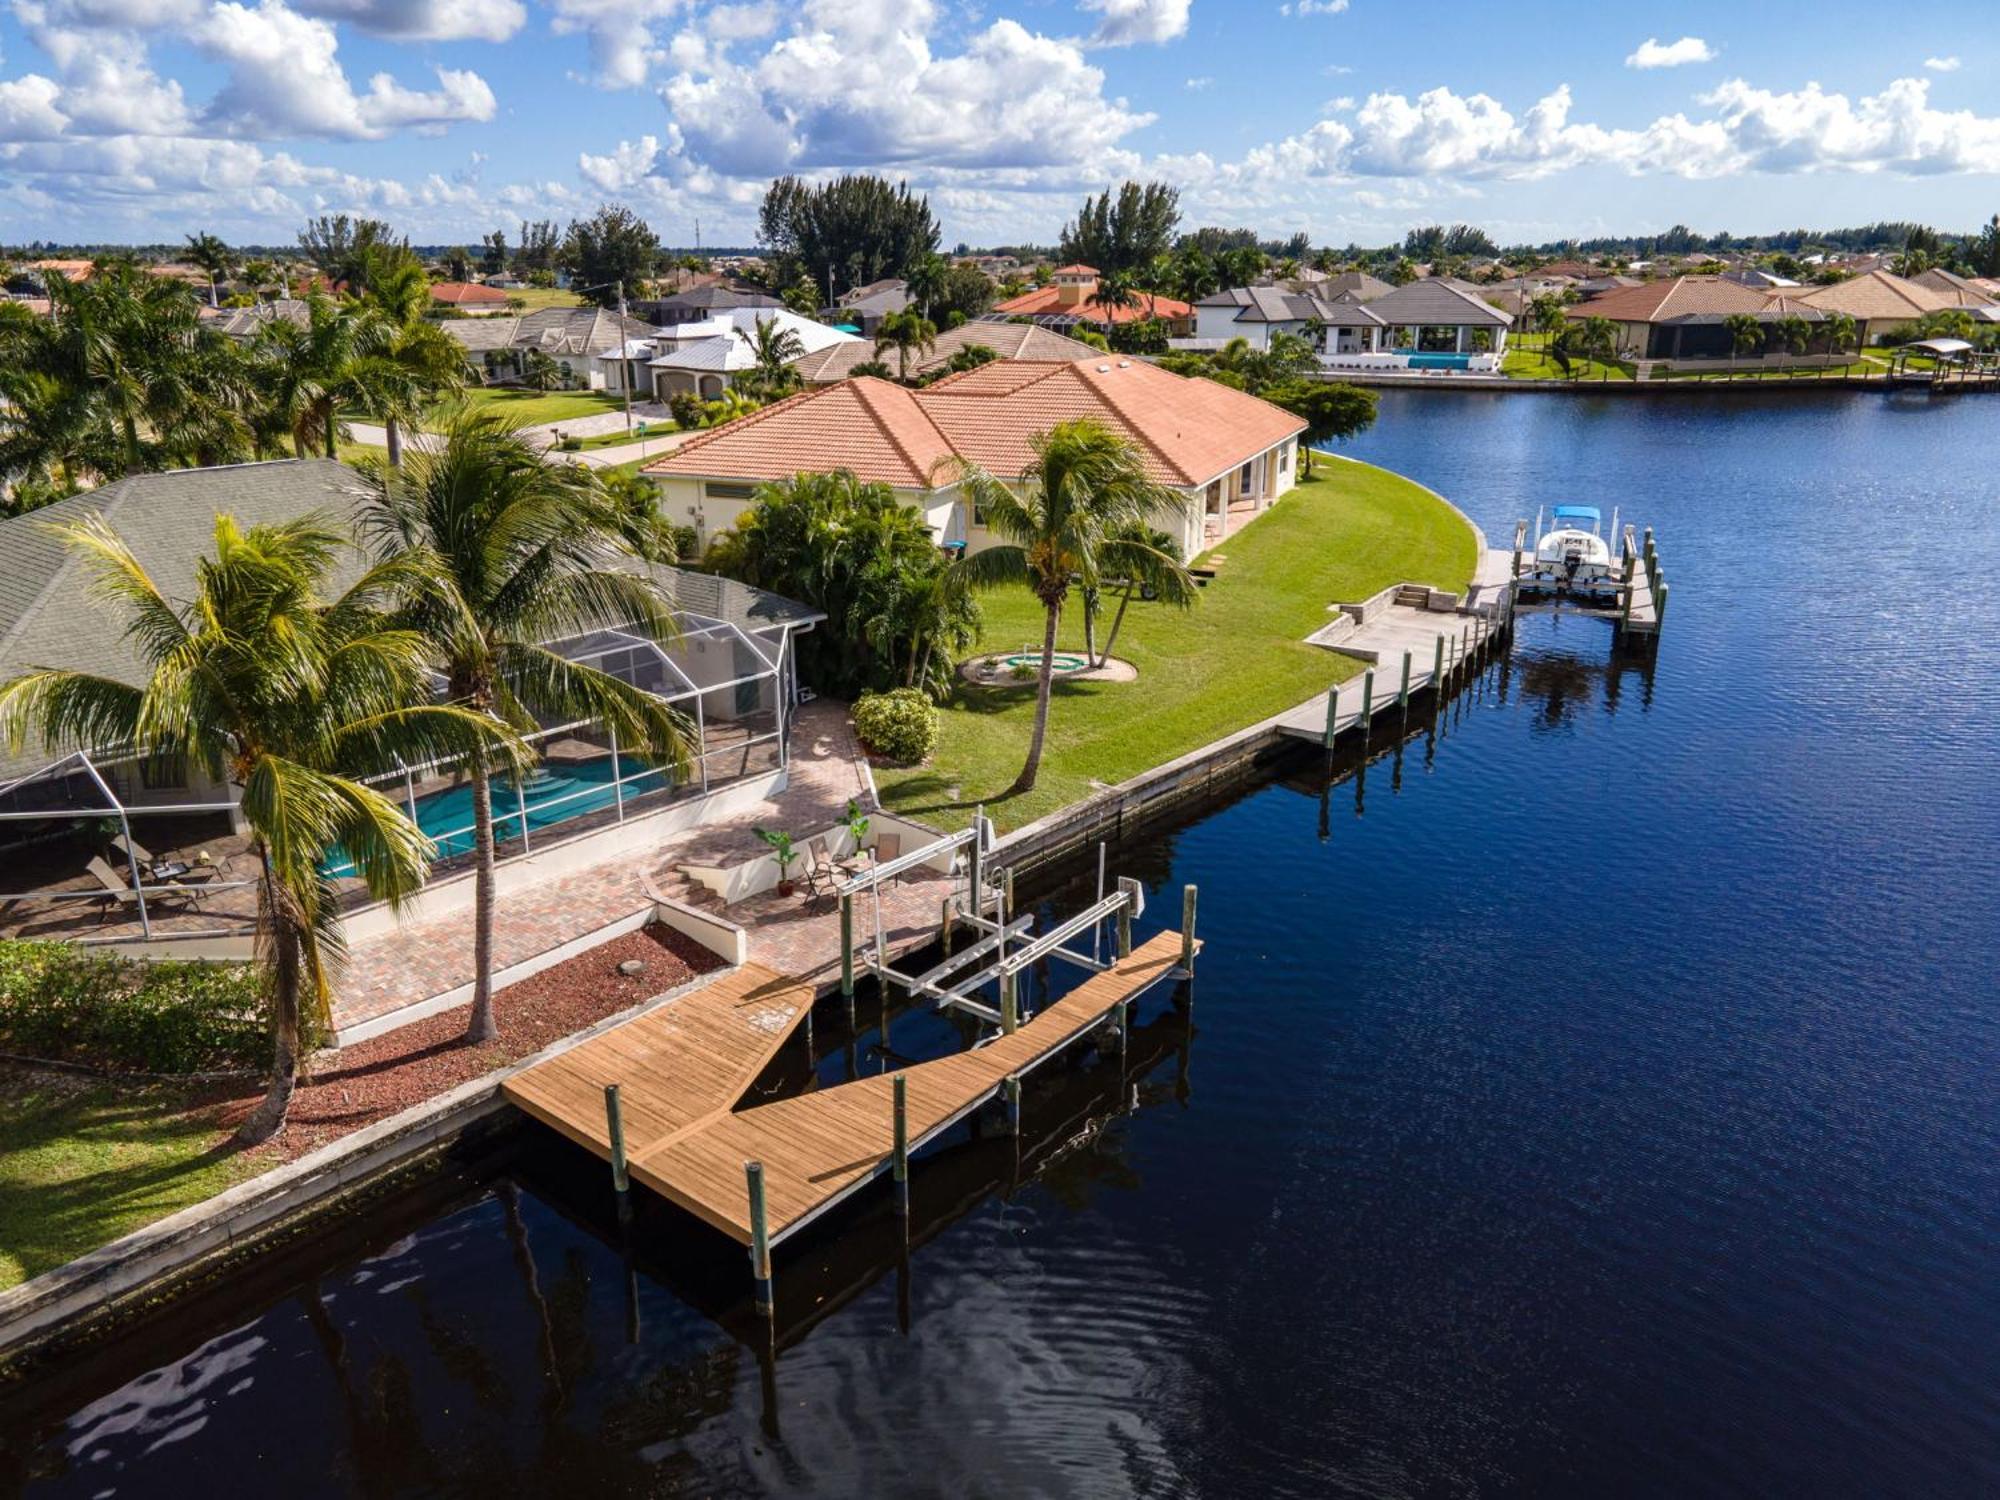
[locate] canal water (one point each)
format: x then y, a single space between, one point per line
1596 1098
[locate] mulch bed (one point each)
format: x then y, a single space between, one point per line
372 1080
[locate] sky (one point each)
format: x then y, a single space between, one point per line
148 120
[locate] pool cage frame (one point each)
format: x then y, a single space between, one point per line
774 664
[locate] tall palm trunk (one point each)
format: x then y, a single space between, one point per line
482 1027
332 431
283 921
395 431
1025 782
1090 625
1117 621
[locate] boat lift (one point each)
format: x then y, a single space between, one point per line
1006 944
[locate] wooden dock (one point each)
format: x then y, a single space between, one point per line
1407 647
683 1069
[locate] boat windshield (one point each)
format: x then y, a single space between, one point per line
1578 515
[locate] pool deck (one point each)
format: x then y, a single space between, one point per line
400 971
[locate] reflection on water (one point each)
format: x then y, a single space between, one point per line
1596 1098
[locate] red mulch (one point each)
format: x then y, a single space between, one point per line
375 1079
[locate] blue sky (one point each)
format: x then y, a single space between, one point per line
148 119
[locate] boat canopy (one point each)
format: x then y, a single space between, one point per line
1577 513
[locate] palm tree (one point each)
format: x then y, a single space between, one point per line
873 367
1143 560
209 253
1745 334
408 362
773 347
308 374
1070 515
925 281
1840 331
904 331
264 680
516 552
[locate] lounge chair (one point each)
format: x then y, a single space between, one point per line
108 878
137 855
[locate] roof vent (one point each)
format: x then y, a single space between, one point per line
1124 364
1104 369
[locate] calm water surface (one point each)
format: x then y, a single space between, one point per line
1598 1099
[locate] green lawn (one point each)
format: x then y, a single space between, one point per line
1532 364
83 1161
621 437
535 298
1239 656
533 408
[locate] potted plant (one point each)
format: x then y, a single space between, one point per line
857 824
783 852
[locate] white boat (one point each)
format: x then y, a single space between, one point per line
1573 551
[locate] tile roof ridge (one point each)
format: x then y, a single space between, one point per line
1125 417
864 392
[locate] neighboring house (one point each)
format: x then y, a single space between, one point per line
731 673
1972 291
574 337
1229 453
1356 285
69 270
1760 280
1883 304
1433 317
246 322
1070 300
1254 313
700 359
864 308
1682 318
1007 340
697 304
473 298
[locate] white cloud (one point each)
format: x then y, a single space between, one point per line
1199 85
28 109
623 48
1654 53
1942 64
1312 7
286 81
426 20
1127 22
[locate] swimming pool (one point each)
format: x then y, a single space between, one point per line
1440 361
555 792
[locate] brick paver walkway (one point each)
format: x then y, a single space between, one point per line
422 959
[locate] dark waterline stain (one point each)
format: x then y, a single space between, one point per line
1596 1097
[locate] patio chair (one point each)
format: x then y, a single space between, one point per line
137 855
108 878
888 846
822 878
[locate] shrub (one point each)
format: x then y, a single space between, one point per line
73 1005
901 725
686 408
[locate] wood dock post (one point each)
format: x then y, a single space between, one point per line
1010 1012
1367 701
1010 1091
847 948
945 925
973 871
1403 693
901 1165
1187 928
1332 715
1129 888
1464 653
614 1121
1660 607
1520 540
1437 668
760 1238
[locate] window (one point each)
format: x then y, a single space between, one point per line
716 490
1243 478
163 773
1284 458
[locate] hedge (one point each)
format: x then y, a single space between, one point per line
902 725
70 1004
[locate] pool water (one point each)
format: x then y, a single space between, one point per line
1062 662
555 792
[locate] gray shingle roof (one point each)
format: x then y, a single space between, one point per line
553 330
47 615
1432 304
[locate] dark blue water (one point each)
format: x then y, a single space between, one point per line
1598 1098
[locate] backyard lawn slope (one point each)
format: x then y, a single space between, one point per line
1238 657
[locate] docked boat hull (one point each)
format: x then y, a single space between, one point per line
1570 555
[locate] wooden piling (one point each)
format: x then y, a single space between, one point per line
1010 1091
1367 700
1660 606
1187 928
974 873
614 1120
945 925
1010 1015
760 1237
847 946
901 1164
1403 694
1332 715
1437 666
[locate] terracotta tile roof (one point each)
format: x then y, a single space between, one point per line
1878 295
1075 270
1190 431
1048 300
1656 301
459 293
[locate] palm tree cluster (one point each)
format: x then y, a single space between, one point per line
296 692
898 609
124 376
